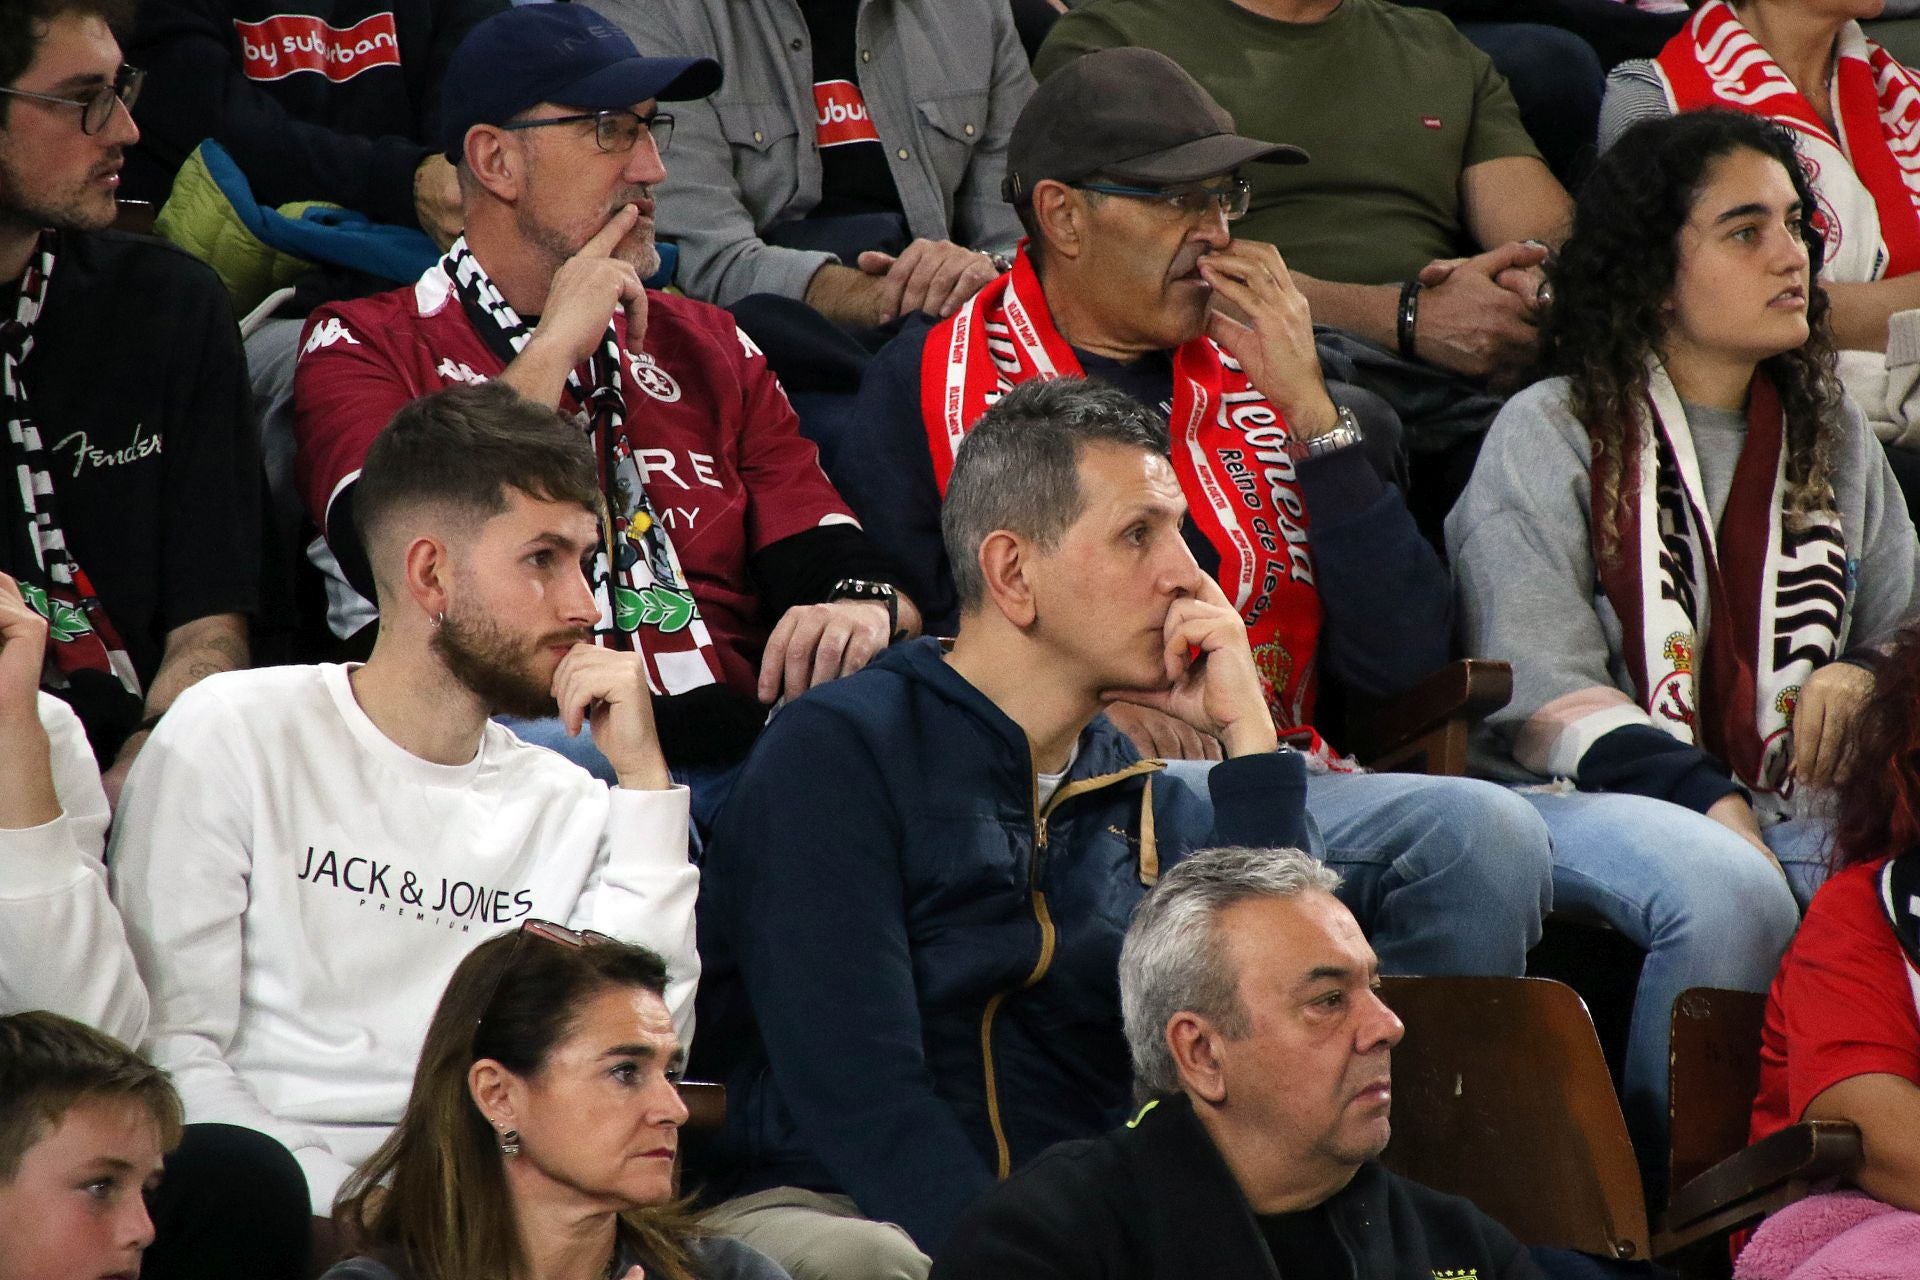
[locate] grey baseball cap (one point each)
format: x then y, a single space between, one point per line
1134 114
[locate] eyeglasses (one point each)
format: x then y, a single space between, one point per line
96 108
1189 200
614 131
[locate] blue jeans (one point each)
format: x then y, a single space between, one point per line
710 784
1700 901
1446 875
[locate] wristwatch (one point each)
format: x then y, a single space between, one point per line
1344 434
878 592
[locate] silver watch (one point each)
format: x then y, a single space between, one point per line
1344 434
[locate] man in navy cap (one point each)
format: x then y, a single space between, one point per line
727 560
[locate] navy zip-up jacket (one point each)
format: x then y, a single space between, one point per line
1386 599
910 968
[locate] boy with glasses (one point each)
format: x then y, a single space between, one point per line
136 534
729 561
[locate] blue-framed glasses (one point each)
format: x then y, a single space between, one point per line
1189 199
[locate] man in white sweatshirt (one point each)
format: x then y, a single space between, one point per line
62 947
303 854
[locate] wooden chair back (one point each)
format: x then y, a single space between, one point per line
1501 1095
1713 1074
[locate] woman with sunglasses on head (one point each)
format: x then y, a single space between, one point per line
1684 543
539 1139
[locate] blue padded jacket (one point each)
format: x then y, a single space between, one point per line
910 966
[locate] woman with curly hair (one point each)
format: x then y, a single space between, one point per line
539 1139
1684 543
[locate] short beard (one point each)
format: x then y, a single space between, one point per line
492 667
25 205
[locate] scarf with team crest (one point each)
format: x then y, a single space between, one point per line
1229 451
1867 176
85 657
1721 628
645 602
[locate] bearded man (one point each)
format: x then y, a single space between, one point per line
304 854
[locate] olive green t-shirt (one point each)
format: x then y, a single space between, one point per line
1391 103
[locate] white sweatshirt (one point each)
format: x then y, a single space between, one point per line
62 946
298 889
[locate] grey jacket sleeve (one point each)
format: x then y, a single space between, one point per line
1633 94
702 206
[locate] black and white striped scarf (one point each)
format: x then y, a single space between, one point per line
645 602
85 655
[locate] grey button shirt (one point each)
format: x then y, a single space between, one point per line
943 80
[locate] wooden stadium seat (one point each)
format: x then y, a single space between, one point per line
1501 1095
1425 729
1719 1182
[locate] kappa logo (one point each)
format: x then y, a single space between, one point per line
454 371
653 380
326 333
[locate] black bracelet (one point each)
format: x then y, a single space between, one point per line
147 725
1409 314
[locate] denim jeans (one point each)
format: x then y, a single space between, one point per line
1702 903
1446 875
710 784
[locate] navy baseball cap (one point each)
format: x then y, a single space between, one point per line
563 53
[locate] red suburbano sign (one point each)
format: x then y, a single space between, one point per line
277 47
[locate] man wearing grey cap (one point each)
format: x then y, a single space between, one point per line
1126 174
729 562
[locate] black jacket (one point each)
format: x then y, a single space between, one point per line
315 99
1154 1201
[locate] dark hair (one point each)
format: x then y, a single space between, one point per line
1877 794
1019 468
49 1064
444 1211
1616 275
462 448
24 23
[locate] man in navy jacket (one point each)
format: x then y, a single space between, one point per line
911 913
1125 173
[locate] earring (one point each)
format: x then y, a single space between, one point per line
509 1142
439 618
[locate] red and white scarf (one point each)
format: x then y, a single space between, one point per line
1721 628
645 600
1229 451
84 652
1867 179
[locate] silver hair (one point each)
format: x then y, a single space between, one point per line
1174 960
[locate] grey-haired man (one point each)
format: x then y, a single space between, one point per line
1252 1019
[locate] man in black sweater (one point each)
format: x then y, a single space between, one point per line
1251 1015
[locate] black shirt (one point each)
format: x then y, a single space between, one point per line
1304 1246
139 389
854 177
